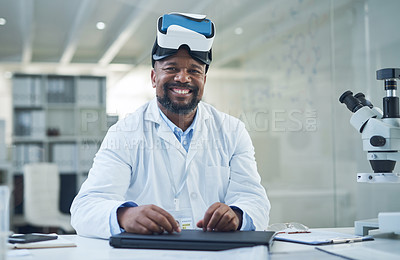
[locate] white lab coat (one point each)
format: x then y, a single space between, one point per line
129 166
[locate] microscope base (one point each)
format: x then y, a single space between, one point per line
387 222
362 227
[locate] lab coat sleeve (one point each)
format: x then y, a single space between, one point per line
105 187
245 190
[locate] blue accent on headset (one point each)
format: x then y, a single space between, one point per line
203 26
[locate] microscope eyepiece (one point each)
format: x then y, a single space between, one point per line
365 102
352 103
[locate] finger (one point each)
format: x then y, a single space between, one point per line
216 217
209 213
160 221
151 225
200 223
226 222
139 228
150 218
168 222
165 219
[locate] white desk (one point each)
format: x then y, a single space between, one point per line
98 249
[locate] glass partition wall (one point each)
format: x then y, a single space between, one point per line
284 82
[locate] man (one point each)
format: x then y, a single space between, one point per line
176 162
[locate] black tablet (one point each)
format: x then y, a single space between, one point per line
29 238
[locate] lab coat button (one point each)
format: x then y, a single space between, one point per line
193 195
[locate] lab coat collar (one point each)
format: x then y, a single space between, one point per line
163 131
154 115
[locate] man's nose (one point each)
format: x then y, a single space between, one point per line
183 76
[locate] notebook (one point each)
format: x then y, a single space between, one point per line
193 240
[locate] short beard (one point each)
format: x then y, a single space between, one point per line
167 103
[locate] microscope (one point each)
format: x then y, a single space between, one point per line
380 133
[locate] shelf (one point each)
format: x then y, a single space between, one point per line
60 119
26 107
55 139
28 139
61 106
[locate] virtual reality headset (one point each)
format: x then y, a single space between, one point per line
192 31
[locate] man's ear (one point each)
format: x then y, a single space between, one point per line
153 78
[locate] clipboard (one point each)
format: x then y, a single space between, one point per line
318 237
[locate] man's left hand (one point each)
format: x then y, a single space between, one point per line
220 217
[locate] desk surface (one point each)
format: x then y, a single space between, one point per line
87 248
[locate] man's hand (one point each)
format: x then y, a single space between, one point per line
220 217
146 219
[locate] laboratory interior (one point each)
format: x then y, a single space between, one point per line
71 69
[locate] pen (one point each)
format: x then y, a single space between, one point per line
346 240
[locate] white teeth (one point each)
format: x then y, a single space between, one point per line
181 91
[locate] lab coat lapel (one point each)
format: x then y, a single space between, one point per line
163 131
199 136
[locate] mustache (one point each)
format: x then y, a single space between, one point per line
180 85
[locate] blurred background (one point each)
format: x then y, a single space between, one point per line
278 65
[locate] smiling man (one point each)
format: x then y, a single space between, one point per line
176 163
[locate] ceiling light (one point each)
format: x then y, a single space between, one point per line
100 25
2 21
239 30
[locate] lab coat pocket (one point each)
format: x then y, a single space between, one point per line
217 181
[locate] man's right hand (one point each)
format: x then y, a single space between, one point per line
146 219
